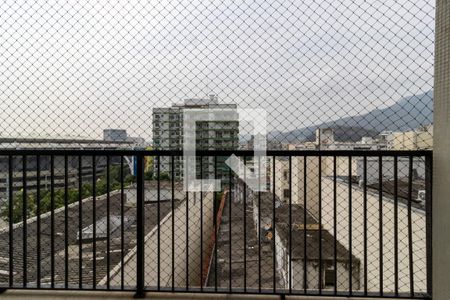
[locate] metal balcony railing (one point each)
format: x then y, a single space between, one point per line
342 223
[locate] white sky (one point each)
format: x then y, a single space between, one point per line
76 67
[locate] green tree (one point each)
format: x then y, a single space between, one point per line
72 195
86 190
129 179
148 175
115 186
100 187
17 207
45 202
163 176
59 195
114 173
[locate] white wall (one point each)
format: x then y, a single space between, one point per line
373 233
341 166
312 181
180 247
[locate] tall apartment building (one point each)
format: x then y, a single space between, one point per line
210 135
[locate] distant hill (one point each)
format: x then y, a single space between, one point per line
408 113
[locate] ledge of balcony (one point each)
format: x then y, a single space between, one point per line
90 295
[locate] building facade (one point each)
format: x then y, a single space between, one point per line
210 135
418 139
305 181
114 134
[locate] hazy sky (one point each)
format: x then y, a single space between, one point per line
76 67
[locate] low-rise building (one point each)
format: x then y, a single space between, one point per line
420 138
114 134
304 176
314 250
327 263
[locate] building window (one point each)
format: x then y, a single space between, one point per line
286 193
329 278
285 175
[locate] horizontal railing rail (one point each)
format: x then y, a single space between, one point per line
139 152
328 223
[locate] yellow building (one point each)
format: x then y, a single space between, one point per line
148 161
421 138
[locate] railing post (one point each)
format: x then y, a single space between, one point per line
140 270
429 223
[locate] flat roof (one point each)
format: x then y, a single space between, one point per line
301 226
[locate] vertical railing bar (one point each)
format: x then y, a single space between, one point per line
365 222
396 225
122 225
320 225
24 224
94 224
158 217
290 224
52 220
229 228
10 220
245 226
140 232
274 275
410 240
201 225
172 207
187 234
66 222
428 213
38 224
380 219
108 221
80 223
259 226
215 227
305 258
350 258
335 222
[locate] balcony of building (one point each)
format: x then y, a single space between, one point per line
326 223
